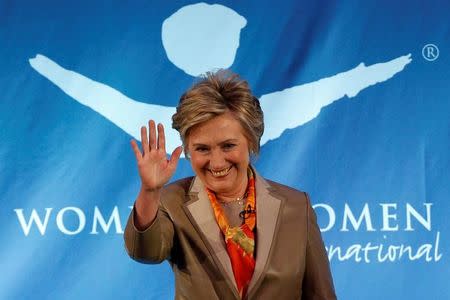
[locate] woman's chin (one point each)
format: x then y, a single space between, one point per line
219 184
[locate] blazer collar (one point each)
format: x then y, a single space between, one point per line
268 208
201 215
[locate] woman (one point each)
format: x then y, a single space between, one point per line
228 233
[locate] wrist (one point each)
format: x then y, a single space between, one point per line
151 191
146 206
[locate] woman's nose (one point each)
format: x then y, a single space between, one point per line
217 161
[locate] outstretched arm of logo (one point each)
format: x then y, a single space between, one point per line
285 109
297 105
123 111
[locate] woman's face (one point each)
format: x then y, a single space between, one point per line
220 155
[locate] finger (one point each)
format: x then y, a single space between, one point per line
175 157
152 134
136 150
161 138
144 140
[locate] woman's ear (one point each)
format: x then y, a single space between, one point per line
186 152
253 157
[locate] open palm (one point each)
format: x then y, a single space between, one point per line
154 168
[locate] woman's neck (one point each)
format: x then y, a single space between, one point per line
237 195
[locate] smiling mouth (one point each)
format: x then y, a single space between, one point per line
221 172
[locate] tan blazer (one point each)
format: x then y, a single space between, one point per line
291 262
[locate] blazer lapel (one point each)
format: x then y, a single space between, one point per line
267 210
201 215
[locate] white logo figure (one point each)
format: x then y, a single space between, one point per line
192 44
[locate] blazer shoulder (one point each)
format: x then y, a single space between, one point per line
283 188
176 190
181 184
287 191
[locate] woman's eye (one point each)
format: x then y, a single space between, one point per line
201 149
228 146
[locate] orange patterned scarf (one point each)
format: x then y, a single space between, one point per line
240 241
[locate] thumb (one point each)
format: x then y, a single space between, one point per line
174 157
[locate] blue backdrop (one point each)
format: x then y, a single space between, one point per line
357 107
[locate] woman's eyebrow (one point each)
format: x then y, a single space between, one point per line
229 141
220 143
199 145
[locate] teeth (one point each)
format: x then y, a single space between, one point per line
220 173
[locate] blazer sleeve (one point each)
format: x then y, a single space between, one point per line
152 245
317 281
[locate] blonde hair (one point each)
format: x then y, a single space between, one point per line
215 94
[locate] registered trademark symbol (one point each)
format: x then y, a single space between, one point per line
430 52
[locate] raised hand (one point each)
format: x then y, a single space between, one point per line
155 171
154 168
